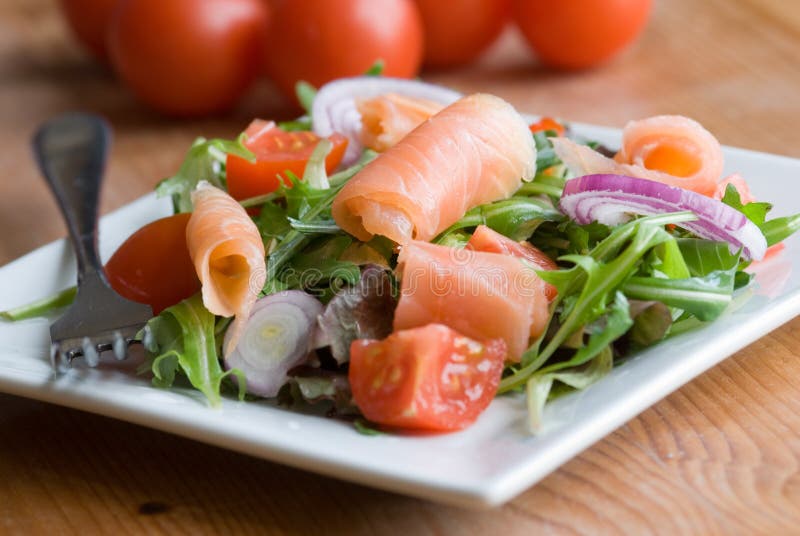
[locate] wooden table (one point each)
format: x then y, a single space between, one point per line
721 455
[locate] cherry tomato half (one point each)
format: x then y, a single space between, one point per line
185 57
153 265
428 378
277 151
457 31
89 20
320 40
577 34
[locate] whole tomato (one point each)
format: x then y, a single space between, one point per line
188 57
320 40
457 31
89 21
576 34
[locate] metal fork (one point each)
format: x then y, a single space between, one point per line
71 152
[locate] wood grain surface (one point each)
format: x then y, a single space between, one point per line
719 456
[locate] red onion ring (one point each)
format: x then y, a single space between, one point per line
610 199
334 108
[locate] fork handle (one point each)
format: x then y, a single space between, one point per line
71 152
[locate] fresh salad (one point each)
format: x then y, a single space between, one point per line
404 254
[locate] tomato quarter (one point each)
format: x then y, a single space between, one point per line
428 378
277 151
153 265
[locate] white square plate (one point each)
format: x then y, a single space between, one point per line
485 465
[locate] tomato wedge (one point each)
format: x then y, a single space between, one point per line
428 378
277 151
548 123
490 241
153 265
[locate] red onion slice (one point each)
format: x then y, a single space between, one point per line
276 337
611 199
334 108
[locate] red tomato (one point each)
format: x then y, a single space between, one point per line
276 152
548 123
89 20
153 265
185 57
576 34
490 241
320 40
428 378
456 32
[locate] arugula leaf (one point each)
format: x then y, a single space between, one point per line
672 264
273 223
205 161
181 338
376 69
41 307
302 123
705 297
366 428
306 93
516 218
650 325
314 204
601 334
315 227
703 257
779 229
539 386
594 282
756 212
775 230
315 175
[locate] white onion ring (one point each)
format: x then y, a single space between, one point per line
276 337
609 199
334 108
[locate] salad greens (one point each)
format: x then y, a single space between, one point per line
205 161
619 289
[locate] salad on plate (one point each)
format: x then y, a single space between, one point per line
404 254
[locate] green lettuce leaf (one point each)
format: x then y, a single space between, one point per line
205 161
181 339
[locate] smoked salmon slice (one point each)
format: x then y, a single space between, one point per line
475 151
228 254
386 119
486 239
482 295
671 149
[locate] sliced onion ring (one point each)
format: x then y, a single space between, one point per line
611 199
334 108
276 337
